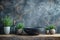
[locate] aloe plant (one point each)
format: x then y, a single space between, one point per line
7 21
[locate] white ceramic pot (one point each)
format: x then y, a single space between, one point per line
52 31
19 31
47 31
7 30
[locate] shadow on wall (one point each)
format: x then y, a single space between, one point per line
1 27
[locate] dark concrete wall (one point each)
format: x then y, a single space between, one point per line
33 13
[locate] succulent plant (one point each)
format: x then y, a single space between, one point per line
20 26
51 27
47 28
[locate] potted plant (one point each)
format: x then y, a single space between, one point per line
20 27
47 30
52 29
7 22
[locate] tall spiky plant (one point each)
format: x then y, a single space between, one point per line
7 21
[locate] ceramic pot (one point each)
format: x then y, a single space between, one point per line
19 31
47 31
7 30
52 31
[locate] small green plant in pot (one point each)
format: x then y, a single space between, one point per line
7 22
52 29
47 30
20 27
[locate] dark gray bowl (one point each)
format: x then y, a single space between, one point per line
32 31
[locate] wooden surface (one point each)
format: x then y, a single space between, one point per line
41 35
29 37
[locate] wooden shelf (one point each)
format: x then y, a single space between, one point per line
29 37
41 35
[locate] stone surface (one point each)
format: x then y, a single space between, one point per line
33 13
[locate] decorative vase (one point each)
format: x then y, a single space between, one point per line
7 30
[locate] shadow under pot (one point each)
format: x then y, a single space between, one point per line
32 31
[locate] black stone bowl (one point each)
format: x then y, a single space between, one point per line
32 31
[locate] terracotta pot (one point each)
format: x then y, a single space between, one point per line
52 31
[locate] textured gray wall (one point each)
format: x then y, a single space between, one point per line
33 13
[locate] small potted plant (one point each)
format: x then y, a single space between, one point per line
52 29
47 30
7 22
20 27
